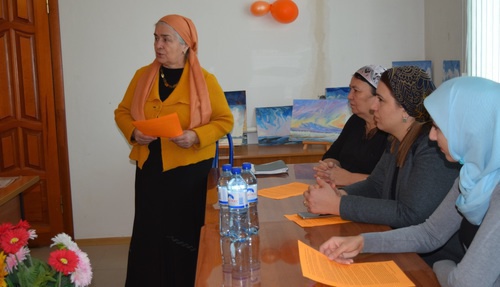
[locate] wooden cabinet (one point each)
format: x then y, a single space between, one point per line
11 204
257 154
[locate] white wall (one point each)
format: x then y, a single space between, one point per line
445 34
104 42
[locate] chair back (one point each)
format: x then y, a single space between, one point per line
215 163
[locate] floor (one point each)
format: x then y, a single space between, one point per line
109 263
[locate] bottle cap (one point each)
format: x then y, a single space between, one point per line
236 170
246 165
226 167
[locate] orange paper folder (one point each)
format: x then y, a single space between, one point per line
167 126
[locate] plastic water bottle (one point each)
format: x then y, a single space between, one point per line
254 244
227 264
223 204
252 196
238 207
241 272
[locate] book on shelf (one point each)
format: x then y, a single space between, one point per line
274 167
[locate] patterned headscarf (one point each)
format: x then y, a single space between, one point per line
371 74
467 111
201 109
410 85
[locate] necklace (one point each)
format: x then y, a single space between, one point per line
165 80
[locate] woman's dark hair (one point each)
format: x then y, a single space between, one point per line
359 77
416 129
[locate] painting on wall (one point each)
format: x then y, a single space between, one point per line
237 104
273 125
451 69
424 65
337 93
318 120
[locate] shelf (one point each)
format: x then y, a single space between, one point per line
258 154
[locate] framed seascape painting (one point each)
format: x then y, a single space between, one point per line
237 104
337 93
318 120
451 69
424 65
273 125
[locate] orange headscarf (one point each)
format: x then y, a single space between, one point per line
199 98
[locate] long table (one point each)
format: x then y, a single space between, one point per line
280 264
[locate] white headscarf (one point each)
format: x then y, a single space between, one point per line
467 110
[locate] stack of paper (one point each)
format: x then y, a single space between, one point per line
275 167
5 181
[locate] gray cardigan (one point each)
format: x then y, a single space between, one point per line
422 183
481 264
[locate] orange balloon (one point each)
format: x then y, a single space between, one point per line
284 11
260 8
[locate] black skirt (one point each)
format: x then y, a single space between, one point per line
169 213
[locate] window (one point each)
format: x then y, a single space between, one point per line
483 39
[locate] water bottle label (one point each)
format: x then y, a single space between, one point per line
237 200
252 193
222 191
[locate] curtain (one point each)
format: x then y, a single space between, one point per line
483 39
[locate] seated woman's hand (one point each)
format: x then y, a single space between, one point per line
340 176
324 169
322 198
342 249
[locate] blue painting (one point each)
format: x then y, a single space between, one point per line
424 65
273 125
237 103
337 93
451 69
318 120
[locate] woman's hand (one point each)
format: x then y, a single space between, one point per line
322 198
141 138
343 249
187 139
331 172
323 169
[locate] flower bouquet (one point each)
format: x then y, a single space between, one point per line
67 265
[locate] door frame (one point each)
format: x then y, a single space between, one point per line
59 102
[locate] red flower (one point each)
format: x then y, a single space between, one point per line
12 240
64 261
4 227
23 224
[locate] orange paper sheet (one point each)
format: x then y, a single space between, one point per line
310 222
284 191
167 126
316 266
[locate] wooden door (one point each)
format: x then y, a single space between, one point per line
32 120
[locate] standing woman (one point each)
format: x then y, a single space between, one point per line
354 154
466 114
171 173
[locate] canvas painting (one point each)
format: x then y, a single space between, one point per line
451 69
318 120
273 125
237 104
337 93
424 65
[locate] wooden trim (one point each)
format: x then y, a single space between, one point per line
103 241
258 154
60 110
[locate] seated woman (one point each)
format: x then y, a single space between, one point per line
411 178
466 113
358 148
